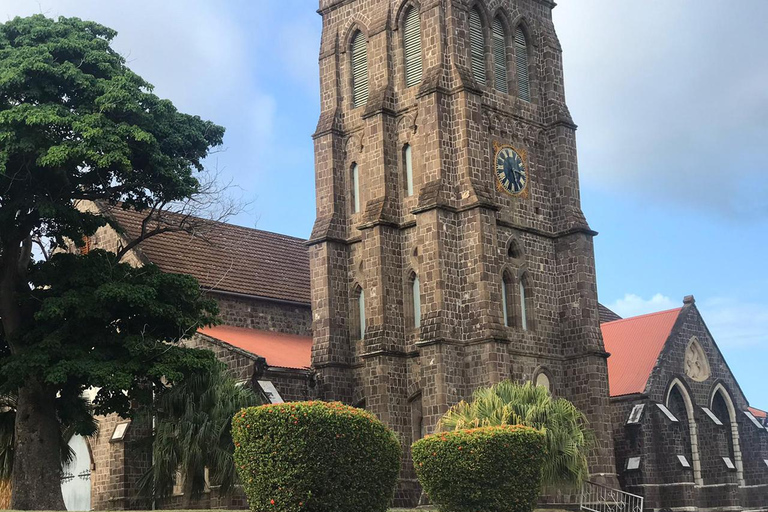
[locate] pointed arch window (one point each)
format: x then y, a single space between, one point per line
477 46
359 69
523 308
525 298
361 313
521 59
500 56
355 188
412 47
408 165
506 299
416 301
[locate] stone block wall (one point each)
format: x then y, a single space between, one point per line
457 230
709 484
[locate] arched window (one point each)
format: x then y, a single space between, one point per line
359 69
723 408
526 303
500 56
680 404
416 300
361 312
477 46
506 299
521 58
408 165
412 47
355 188
542 379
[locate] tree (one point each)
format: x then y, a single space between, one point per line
193 432
568 437
77 124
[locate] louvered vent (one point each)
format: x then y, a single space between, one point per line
521 54
477 47
359 70
500 56
412 48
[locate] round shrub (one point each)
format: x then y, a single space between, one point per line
489 469
316 457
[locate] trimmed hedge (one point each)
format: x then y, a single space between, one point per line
489 469
316 457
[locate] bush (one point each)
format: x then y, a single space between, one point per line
489 469
316 457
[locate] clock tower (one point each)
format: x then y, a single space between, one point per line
450 251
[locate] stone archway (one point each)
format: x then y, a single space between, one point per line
679 391
76 480
722 394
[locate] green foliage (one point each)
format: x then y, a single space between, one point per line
106 324
77 123
193 431
568 436
487 469
316 457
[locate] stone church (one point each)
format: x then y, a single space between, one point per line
450 252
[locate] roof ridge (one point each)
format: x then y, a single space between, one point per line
119 207
643 316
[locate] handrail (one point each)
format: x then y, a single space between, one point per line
600 498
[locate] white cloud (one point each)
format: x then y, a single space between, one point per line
733 323
634 305
670 99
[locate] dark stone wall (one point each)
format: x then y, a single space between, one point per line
657 440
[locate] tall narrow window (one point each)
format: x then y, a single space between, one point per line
523 307
412 47
355 188
521 58
416 291
477 46
361 312
408 164
359 69
500 56
506 296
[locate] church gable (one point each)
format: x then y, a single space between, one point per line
692 356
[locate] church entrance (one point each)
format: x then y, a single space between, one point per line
76 479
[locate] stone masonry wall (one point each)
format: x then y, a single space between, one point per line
459 233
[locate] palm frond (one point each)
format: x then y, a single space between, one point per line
568 436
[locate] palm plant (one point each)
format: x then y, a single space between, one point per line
192 434
568 436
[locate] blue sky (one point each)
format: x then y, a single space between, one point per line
671 99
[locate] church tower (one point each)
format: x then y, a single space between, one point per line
450 250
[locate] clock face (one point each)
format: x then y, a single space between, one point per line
511 170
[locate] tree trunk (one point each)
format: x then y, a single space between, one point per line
37 457
189 482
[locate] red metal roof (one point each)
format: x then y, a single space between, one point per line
635 344
281 350
757 413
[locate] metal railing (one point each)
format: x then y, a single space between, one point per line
599 498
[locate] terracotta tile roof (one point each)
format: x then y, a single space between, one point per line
635 344
757 413
230 258
606 315
281 350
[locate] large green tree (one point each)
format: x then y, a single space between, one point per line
76 124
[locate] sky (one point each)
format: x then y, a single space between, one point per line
671 99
